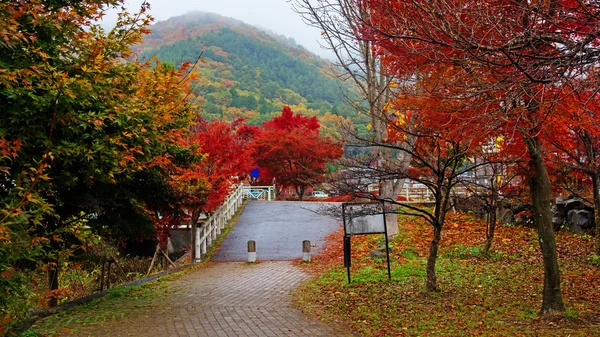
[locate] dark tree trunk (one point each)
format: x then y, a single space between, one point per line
596 185
300 191
490 227
442 196
431 284
542 219
53 266
53 283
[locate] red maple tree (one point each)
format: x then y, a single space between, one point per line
516 56
291 149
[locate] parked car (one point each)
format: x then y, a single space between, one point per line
318 194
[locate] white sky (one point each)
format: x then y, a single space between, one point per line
276 15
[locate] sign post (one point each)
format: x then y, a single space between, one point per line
254 174
364 219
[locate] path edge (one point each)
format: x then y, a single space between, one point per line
36 315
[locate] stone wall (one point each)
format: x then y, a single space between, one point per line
572 214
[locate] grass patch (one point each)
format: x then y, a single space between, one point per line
117 304
494 295
120 301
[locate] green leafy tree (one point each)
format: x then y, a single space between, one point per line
77 120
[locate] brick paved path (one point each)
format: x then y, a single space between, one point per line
224 299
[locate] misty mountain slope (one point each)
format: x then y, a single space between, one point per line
246 72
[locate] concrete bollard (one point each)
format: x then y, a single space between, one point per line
251 251
306 251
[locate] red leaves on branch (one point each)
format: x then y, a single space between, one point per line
227 156
288 121
291 149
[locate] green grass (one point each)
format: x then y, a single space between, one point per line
472 301
494 295
119 302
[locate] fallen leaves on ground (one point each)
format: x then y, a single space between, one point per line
497 295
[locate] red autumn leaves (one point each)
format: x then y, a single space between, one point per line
291 150
288 148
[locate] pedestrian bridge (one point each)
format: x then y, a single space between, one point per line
267 193
277 227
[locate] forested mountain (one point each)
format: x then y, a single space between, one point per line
247 72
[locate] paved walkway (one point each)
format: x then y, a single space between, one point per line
278 227
224 299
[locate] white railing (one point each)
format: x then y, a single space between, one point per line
213 227
416 193
259 192
422 193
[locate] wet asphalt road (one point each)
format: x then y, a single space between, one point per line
278 227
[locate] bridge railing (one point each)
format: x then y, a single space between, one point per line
260 192
212 228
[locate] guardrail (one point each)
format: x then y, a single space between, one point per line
422 193
416 193
260 192
213 227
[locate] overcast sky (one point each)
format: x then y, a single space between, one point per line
276 15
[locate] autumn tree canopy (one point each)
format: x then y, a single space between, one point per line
291 149
512 62
82 132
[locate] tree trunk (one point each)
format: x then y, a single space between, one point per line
390 190
596 185
53 283
489 233
431 284
387 191
490 225
300 192
542 219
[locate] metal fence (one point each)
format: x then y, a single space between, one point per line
260 192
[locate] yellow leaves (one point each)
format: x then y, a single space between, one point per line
387 107
369 126
393 84
32 199
498 141
4 233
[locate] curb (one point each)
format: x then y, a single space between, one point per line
39 314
